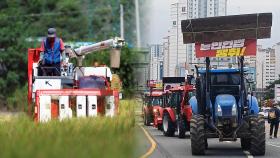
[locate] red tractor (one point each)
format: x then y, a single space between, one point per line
158 111
177 114
153 101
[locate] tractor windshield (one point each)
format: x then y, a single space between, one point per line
156 101
225 83
176 98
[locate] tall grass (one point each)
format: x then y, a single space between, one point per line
76 138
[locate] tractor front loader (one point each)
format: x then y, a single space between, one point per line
223 106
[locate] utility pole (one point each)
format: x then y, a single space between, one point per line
137 24
177 57
121 21
90 18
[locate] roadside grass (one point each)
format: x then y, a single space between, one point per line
97 137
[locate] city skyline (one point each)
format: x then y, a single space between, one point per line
160 17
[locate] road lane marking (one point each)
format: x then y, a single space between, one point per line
247 154
273 145
153 144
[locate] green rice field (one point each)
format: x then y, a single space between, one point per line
99 137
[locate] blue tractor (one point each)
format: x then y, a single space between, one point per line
223 106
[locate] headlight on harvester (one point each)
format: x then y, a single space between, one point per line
234 110
219 111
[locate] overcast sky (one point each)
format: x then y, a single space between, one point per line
159 17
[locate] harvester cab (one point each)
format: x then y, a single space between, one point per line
177 113
222 107
78 91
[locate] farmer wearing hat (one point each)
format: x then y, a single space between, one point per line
52 48
273 119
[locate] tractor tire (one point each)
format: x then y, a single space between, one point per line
159 127
257 146
146 120
245 143
168 126
197 132
181 128
206 143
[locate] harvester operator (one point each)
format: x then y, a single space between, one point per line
52 50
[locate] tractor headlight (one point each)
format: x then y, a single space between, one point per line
234 110
155 110
219 111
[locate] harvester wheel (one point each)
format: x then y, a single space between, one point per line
168 125
245 143
257 146
181 127
197 135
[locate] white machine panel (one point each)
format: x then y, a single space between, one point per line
64 109
81 106
92 106
41 84
45 108
35 69
110 106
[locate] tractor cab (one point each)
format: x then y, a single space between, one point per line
179 99
177 112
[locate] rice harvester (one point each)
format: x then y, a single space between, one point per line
78 91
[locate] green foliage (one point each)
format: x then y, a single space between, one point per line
18 101
75 138
270 90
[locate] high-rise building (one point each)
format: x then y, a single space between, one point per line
265 67
156 62
277 60
181 56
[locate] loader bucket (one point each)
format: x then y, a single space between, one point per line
224 28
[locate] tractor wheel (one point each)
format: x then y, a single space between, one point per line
245 143
257 146
159 127
206 143
198 142
146 120
181 127
168 126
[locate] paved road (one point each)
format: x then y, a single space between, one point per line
173 147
